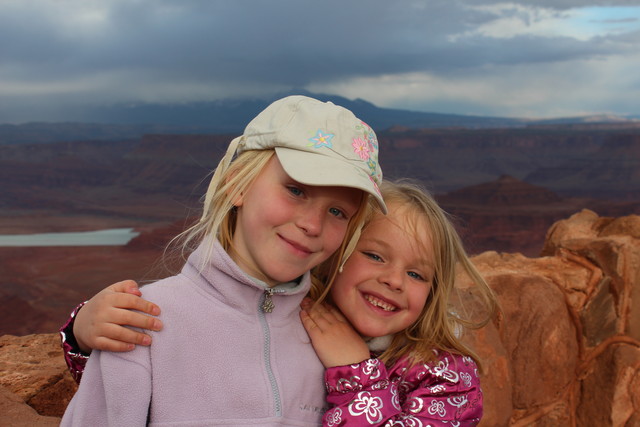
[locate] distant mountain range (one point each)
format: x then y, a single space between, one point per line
231 116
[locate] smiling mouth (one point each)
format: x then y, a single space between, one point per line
380 304
297 247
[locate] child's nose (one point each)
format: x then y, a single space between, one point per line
393 278
310 221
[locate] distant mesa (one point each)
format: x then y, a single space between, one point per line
505 191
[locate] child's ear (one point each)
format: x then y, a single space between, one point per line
238 200
237 197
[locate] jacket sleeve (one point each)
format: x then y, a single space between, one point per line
75 358
115 390
440 394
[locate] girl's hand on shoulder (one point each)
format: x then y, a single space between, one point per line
335 341
99 324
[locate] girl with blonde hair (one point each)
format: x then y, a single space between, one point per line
387 334
290 194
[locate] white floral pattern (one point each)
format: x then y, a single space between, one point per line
333 417
371 368
458 401
349 384
395 397
367 405
438 389
441 393
442 369
437 408
466 379
415 405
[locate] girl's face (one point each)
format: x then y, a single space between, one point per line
285 228
385 283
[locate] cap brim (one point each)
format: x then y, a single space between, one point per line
326 171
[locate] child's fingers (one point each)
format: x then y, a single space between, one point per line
322 317
107 344
309 324
325 313
132 302
135 319
123 334
336 314
127 286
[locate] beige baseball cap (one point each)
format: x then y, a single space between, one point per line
318 143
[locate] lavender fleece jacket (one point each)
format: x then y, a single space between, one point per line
220 359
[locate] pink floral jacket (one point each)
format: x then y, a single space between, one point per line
75 358
444 393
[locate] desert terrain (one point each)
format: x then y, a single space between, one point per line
504 188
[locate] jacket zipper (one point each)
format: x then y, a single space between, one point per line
266 306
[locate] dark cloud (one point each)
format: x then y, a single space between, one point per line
561 4
153 47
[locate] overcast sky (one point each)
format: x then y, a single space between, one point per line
529 58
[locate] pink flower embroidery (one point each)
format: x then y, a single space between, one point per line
361 148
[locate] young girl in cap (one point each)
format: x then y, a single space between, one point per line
386 335
233 350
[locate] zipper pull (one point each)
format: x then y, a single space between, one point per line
267 304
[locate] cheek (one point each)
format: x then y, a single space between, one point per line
333 237
339 291
419 298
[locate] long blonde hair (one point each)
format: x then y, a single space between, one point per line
231 179
438 326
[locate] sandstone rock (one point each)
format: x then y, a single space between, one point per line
16 413
610 388
33 369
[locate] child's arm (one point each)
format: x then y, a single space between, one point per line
98 324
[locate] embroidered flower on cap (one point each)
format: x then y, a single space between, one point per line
321 139
361 148
367 148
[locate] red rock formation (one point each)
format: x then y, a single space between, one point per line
565 349
35 386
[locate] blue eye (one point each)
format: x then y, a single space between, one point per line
415 275
372 256
295 190
337 213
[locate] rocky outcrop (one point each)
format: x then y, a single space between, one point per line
35 386
564 350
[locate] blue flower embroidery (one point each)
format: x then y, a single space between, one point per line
321 140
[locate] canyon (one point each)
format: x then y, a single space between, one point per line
503 187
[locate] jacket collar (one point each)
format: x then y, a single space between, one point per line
212 269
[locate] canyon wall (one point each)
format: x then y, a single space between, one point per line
564 350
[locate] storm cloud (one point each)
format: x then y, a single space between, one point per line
519 58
